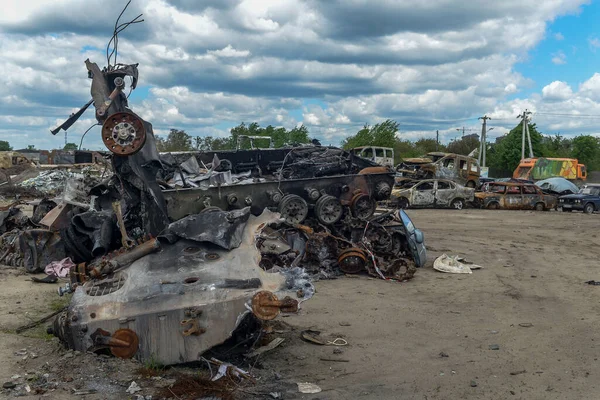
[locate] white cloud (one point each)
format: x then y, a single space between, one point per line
205 65
559 58
594 43
556 91
559 36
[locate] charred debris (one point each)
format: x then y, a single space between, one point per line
167 255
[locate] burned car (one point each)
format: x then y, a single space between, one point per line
587 200
433 193
458 168
514 196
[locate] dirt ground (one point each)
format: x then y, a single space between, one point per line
523 327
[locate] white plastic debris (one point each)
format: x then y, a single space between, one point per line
453 265
306 387
133 388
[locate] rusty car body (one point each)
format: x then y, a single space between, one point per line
514 196
433 193
456 167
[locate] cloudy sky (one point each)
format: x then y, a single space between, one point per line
206 66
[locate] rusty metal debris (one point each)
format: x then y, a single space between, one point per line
514 196
461 169
174 252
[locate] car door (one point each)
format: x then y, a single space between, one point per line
513 198
424 194
444 193
531 197
415 238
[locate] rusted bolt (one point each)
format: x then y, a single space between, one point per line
93 315
232 199
248 200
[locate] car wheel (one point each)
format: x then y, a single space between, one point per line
402 203
493 206
458 204
539 207
589 208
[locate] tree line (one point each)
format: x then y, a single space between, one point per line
503 156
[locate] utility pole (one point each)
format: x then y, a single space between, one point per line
463 131
482 142
525 129
437 140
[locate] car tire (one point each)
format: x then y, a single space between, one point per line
589 208
402 203
540 207
493 206
457 204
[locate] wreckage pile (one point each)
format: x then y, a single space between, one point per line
170 254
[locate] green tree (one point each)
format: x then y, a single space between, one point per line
281 136
177 140
556 146
464 145
383 134
31 147
70 146
506 155
586 149
428 145
5 146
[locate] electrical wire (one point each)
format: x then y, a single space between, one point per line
114 40
85 133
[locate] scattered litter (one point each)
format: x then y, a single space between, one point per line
473 384
494 347
454 265
313 337
46 279
518 372
525 324
9 385
443 355
275 395
334 359
261 350
133 388
594 283
60 268
306 387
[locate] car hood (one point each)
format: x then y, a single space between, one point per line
579 196
400 192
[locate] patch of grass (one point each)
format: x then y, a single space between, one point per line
58 303
152 367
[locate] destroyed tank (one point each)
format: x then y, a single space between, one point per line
298 182
166 271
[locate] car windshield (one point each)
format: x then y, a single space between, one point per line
590 190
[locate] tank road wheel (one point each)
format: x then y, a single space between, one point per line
540 207
352 260
123 133
293 209
362 206
458 204
589 208
328 210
